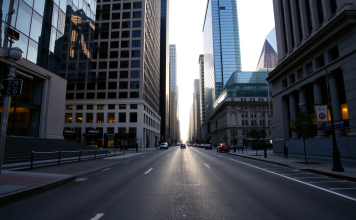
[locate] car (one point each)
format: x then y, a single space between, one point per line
202 145
208 146
163 145
237 146
183 146
223 148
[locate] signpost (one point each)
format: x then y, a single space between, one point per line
11 87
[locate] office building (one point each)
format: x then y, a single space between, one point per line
173 61
241 107
164 82
316 40
221 49
196 109
203 125
269 54
119 103
174 114
56 38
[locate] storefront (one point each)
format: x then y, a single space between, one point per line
110 140
72 135
93 138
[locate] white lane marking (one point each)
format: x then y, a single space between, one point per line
168 155
206 165
106 169
329 182
99 215
310 177
317 187
149 170
81 179
340 188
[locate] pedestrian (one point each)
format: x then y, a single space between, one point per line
122 147
136 146
285 151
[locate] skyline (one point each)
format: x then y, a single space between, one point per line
253 31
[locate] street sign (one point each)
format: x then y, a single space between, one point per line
11 87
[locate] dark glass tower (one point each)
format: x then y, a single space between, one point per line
164 71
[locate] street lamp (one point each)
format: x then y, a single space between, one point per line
264 131
15 54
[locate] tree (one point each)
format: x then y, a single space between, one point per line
303 125
256 135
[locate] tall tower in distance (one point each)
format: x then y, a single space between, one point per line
269 55
221 48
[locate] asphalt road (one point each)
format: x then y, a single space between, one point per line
192 184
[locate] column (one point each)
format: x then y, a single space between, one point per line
335 101
302 99
293 113
318 99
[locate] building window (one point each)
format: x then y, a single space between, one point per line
112 85
111 95
133 106
100 95
114 44
102 65
134 85
126 6
136 43
79 117
99 117
70 96
114 54
79 96
115 25
122 106
90 107
111 117
134 94
125 24
133 116
135 63
320 62
90 95
122 117
69 107
80 86
137 5
309 18
124 74
123 95
124 64
333 6
125 44
115 35
104 35
100 107
126 15
101 85
136 24
125 34
125 54
89 117
70 87
115 16
135 53
113 64
137 14
123 85
136 33
79 107
112 106
112 75
320 11
135 74
116 7
68 118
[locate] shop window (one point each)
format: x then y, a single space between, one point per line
101 107
345 111
90 107
69 107
122 117
112 106
122 106
79 107
79 117
89 117
133 106
111 117
133 116
68 117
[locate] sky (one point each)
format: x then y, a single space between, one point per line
256 20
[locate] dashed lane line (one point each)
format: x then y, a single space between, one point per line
206 165
149 171
317 187
98 216
341 188
106 169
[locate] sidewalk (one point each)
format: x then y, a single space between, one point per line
316 164
15 185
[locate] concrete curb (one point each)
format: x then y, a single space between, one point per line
28 192
334 175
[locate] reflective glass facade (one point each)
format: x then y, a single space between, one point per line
221 48
173 62
54 34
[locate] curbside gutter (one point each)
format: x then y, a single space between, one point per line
334 175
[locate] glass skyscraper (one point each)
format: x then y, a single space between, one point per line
173 61
221 48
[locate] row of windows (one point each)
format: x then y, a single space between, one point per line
116 34
116 16
100 107
115 44
254 123
116 25
110 118
115 54
125 6
109 85
114 64
102 95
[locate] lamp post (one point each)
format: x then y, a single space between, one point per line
15 54
264 132
336 153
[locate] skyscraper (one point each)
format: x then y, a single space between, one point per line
203 125
121 98
221 48
164 82
269 55
173 61
196 109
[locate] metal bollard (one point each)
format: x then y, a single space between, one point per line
106 153
32 157
95 154
59 157
80 154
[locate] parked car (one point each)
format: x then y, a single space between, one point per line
183 146
208 146
237 146
202 145
163 145
223 148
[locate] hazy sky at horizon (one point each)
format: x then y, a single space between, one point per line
256 20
